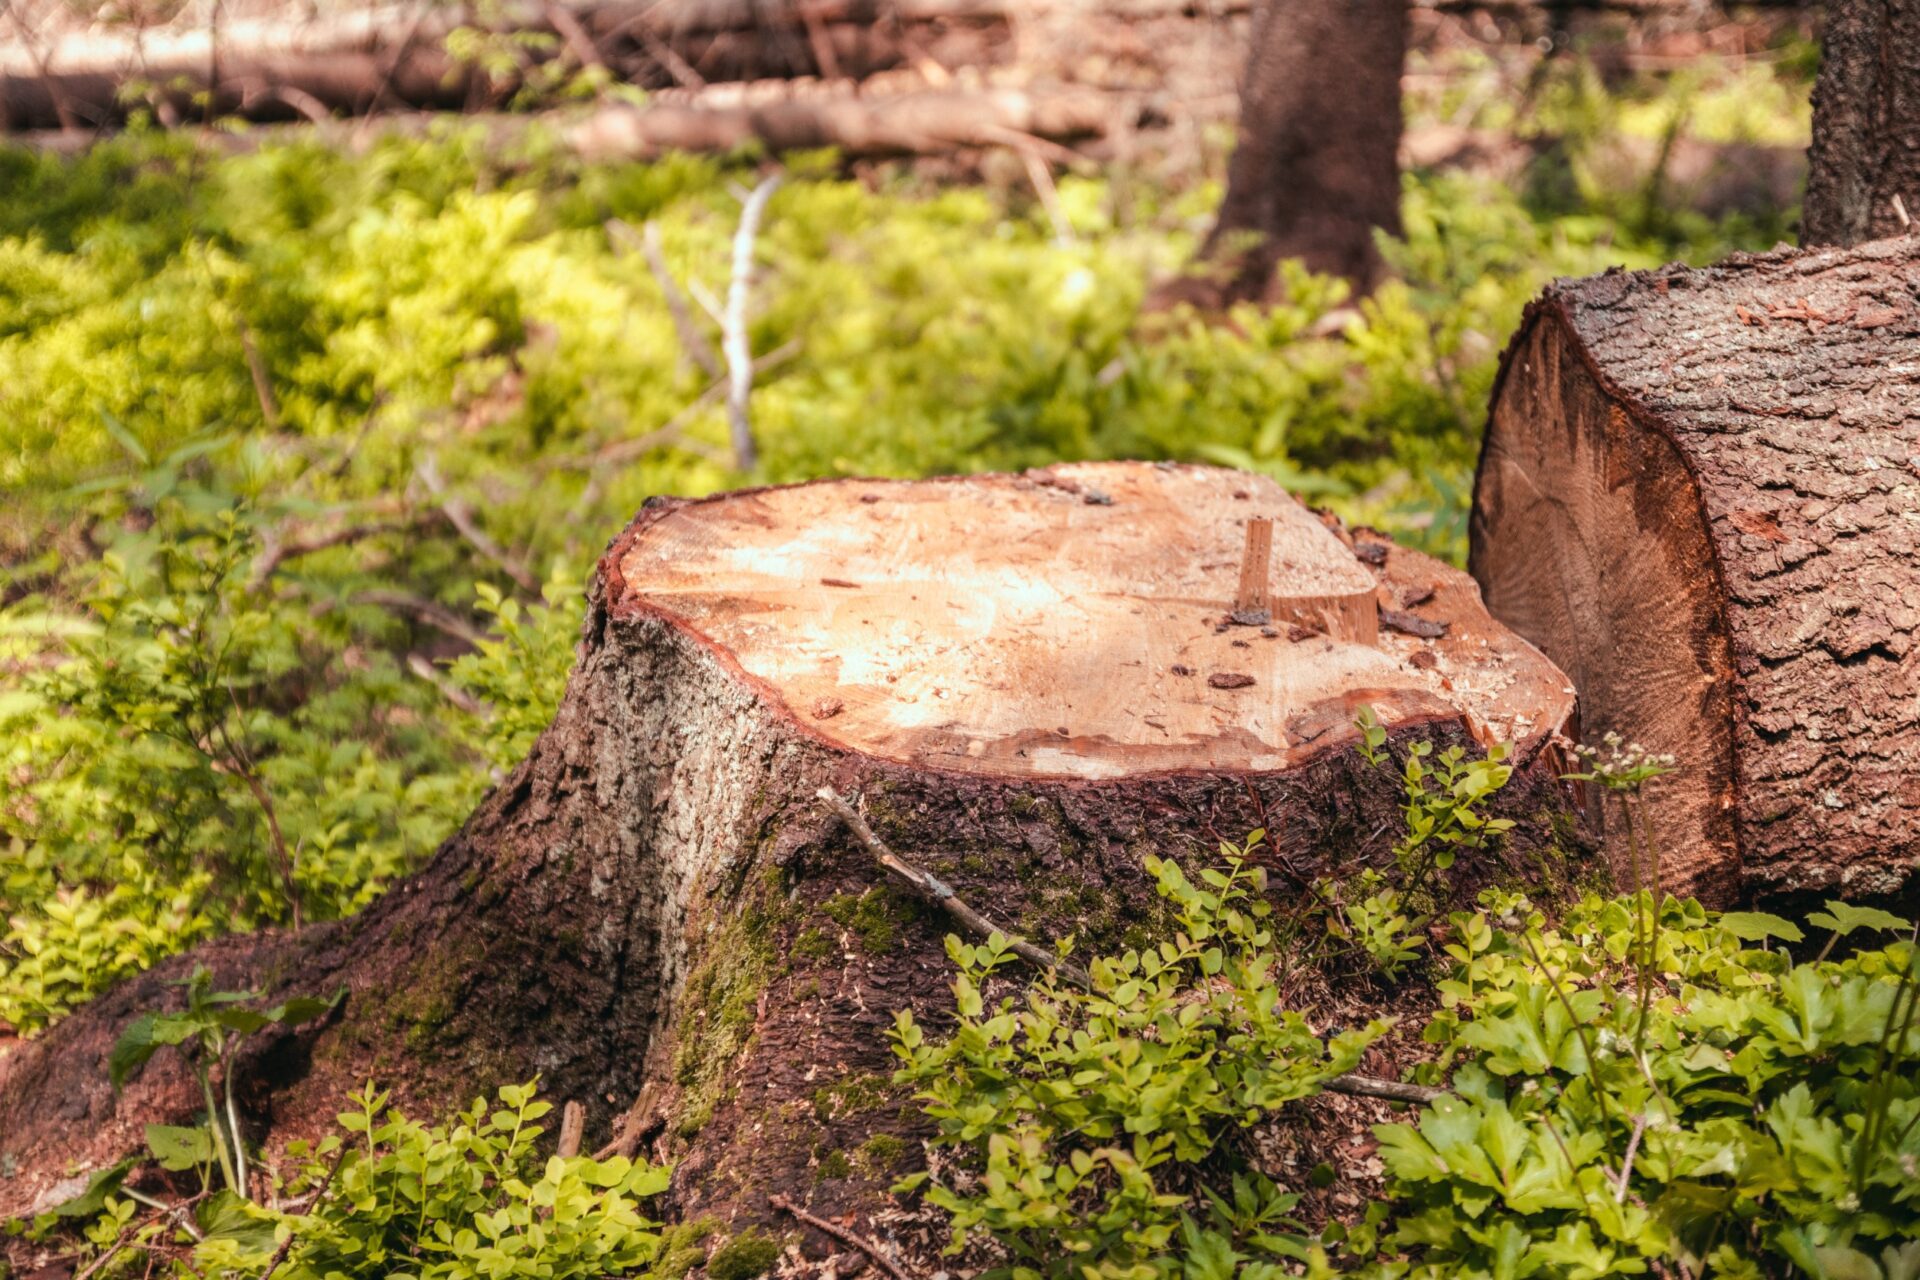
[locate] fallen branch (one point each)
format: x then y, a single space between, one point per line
435 615
843 1235
461 517
734 340
423 667
276 549
937 893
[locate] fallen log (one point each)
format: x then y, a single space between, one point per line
1031 683
1697 494
396 56
857 126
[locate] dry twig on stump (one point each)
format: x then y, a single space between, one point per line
937 893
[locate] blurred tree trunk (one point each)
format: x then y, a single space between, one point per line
1316 170
1866 124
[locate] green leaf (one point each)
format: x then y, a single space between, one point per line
93 1197
144 1037
1843 918
1754 926
178 1148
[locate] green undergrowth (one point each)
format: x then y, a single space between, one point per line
305 455
1626 1085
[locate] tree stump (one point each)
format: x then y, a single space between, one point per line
1697 495
1030 683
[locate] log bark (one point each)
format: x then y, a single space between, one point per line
1316 171
1021 678
395 56
1697 495
857 126
1863 180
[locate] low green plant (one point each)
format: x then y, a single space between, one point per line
1738 1113
462 1200
209 1031
1083 1117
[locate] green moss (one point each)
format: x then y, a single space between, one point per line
812 944
882 1151
870 917
719 1005
747 1255
849 1097
834 1165
682 1248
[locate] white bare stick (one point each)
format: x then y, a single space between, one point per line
734 342
694 342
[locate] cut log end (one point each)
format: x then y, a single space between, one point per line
1009 626
1696 495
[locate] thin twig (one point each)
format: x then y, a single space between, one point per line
626 450
679 68
1626 1165
937 893
242 764
694 342
276 550
734 338
461 516
316 1195
1042 179
257 370
578 41
422 667
843 1235
434 614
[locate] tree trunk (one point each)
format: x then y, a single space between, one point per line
1316 171
1864 165
1696 495
1029 683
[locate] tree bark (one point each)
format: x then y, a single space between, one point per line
1696 495
1022 678
1865 155
1316 171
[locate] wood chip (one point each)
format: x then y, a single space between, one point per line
837 582
828 708
1229 680
1412 624
1414 597
1875 318
1371 553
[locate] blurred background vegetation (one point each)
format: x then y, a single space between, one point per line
307 449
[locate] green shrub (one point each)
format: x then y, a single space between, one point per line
1083 1116
1770 1122
469 1198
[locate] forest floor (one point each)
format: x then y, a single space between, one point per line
334 432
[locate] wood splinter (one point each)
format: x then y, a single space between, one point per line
1252 607
937 893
